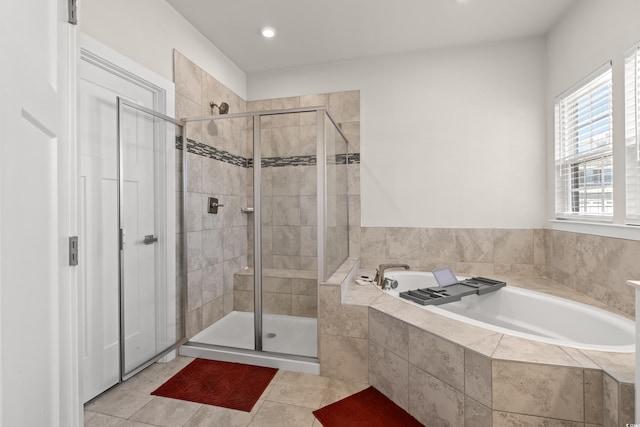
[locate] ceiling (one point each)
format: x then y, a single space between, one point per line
321 31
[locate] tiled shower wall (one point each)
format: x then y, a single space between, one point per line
592 265
289 181
219 166
288 186
216 243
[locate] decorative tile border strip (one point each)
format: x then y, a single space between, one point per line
310 160
278 162
267 162
347 159
213 153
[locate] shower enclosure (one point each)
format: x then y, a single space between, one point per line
266 221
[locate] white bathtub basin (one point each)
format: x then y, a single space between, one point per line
531 315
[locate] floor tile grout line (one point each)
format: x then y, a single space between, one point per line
275 393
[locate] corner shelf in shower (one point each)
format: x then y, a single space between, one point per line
441 295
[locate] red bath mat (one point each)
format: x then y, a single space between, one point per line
368 408
226 384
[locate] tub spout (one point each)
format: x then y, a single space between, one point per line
379 279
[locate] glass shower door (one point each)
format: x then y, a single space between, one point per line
286 303
149 297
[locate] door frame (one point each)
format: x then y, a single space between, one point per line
111 61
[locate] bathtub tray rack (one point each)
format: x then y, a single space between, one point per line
439 295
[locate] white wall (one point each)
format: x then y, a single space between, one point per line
591 34
451 137
147 31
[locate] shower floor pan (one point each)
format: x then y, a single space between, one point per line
289 342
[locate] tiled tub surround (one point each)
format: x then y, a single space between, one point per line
221 245
519 252
342 327
446 372
595 266
591 265
288 292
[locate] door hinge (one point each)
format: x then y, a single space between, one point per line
73 250
122 238
73 12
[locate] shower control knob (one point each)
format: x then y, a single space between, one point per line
214 205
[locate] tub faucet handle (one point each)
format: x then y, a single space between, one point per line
379 279
389 284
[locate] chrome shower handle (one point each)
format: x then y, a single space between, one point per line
213 205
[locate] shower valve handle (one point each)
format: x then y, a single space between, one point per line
213 205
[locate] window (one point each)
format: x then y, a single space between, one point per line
584 163
632 137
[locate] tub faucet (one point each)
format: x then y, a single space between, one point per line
379 279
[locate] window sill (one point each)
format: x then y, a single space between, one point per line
618 231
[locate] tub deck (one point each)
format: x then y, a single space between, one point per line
459 374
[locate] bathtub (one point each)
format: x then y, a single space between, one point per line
529 314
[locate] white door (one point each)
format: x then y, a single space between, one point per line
144 204
97 119
38 363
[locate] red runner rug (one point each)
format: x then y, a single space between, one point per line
368 408
226 384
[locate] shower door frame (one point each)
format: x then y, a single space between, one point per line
322 115
181 293
257 235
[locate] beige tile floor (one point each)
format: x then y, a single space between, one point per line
289 400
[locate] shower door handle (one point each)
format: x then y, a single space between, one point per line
149 239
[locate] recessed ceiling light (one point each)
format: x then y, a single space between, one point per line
268 32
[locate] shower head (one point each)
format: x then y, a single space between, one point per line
223 108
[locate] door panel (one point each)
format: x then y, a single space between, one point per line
34 215
97 121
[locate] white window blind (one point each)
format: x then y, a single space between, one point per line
584 173
632 123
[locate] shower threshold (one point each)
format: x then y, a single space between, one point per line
289 342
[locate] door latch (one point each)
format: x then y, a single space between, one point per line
149 239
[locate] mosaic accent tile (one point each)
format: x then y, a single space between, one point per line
348 159
205 150
214 153
275 162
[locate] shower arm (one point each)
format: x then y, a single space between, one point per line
223 108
